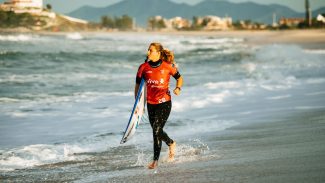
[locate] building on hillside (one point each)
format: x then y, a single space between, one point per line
179 23
321 18
215 23
75 20
34 7
205 23
28 3
291 21
23 6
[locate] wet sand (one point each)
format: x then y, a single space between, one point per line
289 150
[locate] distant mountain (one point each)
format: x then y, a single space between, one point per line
318 11
141 10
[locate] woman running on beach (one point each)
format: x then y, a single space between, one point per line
156 71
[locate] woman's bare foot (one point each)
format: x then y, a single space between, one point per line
171 154
153 165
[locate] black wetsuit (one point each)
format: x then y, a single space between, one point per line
160 104
158 115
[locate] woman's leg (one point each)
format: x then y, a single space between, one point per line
158 115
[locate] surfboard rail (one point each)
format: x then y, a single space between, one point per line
136 114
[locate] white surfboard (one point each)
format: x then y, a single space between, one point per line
136 114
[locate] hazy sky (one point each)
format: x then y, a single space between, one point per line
66 6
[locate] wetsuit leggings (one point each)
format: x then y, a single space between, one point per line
158 115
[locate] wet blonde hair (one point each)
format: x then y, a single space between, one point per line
165 54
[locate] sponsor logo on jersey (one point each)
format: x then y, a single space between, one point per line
161 81
150 81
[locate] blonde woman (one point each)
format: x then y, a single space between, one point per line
156 71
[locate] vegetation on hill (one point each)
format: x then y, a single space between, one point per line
9 19
124 22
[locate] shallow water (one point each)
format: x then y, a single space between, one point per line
65 99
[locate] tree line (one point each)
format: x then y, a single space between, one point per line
124 22
9 19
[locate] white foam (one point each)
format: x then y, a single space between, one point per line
245 113
214 40
219 97
280 84
309 107
223 85
213 124
16 38
33 155
2 52
209 94
273 87
315 81
74 36
316 51
55 78
16 114
8 100
250 67
195 151
142 159
40 154
278 97
315 93
279 53
197 102
277 62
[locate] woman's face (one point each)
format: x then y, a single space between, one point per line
153 54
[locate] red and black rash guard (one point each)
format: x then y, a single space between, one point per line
157 75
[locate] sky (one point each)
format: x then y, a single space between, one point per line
66 6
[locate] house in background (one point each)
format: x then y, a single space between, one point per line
179 23
214 23
291 22
208 23
44 18
23 6
321 18
34 7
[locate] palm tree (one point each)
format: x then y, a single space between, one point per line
308 13
49 7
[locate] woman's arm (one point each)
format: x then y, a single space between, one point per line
179 84
136 88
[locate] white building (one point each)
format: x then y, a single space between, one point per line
321 18
215 23
179 23
28 3
23 6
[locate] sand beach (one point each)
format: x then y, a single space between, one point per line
305 37
288 150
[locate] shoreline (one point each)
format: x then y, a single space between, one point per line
253 37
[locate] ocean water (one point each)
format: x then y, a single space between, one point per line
65 99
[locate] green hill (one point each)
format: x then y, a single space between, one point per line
11 20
